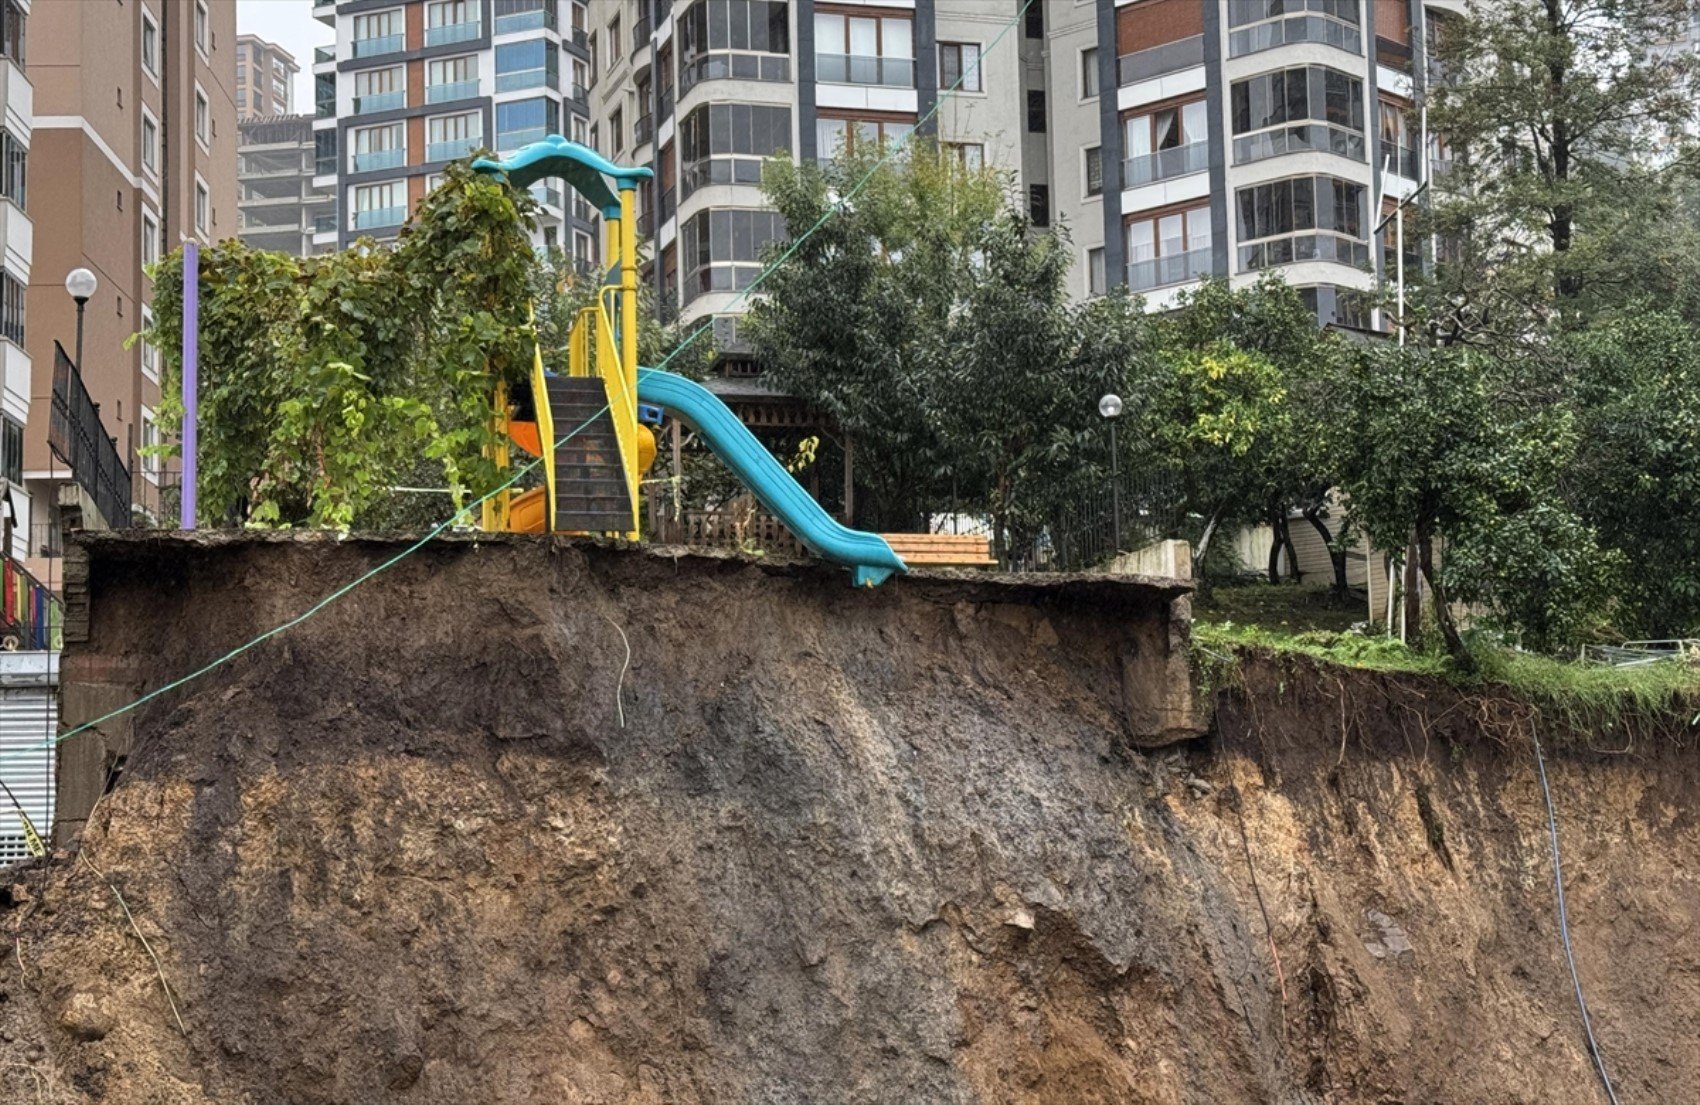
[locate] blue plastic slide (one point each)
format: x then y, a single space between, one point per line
867 555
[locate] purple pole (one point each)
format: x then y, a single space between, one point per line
191 370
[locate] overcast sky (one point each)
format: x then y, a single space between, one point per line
290 24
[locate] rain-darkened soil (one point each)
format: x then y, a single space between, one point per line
444 843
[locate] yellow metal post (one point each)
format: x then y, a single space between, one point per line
629 290
496 508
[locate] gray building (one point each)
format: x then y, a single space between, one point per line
412 85
278 204
1175 139
265 77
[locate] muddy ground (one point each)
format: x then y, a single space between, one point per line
846 847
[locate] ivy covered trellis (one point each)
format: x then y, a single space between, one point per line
326 381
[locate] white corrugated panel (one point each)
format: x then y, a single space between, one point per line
28 721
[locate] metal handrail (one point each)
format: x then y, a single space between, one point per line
623 407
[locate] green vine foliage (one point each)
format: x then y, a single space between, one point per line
324 382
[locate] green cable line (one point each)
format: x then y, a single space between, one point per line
432 534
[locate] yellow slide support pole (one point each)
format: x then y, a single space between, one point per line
545 433
496 508
629 328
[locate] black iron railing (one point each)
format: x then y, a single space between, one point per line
78 438
1104 522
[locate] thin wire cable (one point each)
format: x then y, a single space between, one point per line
1564 921
767 271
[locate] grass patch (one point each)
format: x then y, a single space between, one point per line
1583 698
1284 607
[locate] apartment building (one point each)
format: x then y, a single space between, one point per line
412 85
1175 139
265 77
278 205
133 153
17 249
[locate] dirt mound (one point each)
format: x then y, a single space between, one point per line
444 843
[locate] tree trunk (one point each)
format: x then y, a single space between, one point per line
1336 556
1442 609
1413 596
1292 551
1203 549
1274 567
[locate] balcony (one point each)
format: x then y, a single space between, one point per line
17 379
324 224
323 55
547 195
1300 138
1402 161
450 33
541 77
376 47
640 34
1308 246
644 130
766 67
382 101
534 19
669 204
510 140
17 96
861 69
1323 30
1161 272
380 218
1176 161
379 159
451 148
1171 57
579 93
582 210
452 90
664 104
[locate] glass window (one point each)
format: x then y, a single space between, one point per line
970 155
12 27
203 117
14 169
202 34
150 44
150 239
960 61
11 307
721 249
865 49
1291 100
1089 72
1095 171
1095 276
150 145
203 207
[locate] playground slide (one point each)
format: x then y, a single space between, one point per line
869 557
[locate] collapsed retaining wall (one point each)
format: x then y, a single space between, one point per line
443 843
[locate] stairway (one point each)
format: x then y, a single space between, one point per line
590 485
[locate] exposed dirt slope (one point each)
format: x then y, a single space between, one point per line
848 848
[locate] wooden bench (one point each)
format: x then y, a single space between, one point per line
942 550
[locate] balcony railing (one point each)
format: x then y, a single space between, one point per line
451 90
382 101
324 224
1301 137
669 203
451 148
379 218
77 436
379 159
582 209
643 130
580 93
1155 61
546 194
1176 161
664 103
1403 161
1322 29
861 69
324 166
641 31
1308 246
755 67
541 77
383 44
1176 268
450 33
323 54
510 140
534 19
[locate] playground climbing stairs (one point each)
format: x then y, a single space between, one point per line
590 486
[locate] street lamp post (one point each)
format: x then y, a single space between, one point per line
81 285
1110 408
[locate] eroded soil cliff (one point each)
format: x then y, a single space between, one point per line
442 843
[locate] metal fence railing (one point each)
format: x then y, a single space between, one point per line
78 438
1102 523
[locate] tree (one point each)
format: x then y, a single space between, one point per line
324 380
1636 473
1242 366
1022 372
1566 120
1435 444
854 322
